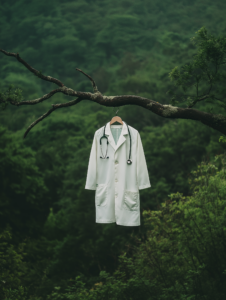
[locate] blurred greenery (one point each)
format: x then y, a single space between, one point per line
50 245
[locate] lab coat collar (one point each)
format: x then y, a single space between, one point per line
121 138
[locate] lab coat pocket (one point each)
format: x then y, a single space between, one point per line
101 195
131 200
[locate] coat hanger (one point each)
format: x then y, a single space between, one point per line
116 119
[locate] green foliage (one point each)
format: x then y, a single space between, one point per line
222 139
22 189
10 94
128 48
12 268
204 77
172 151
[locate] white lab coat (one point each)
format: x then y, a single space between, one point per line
116 183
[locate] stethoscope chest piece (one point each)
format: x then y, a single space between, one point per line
129 161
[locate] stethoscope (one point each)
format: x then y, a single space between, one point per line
129 161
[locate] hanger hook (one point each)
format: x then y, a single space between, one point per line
117 112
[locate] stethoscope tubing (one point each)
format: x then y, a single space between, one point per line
129 161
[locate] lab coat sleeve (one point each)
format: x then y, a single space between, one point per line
92 167
142 171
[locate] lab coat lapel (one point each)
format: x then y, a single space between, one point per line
110 136
122 138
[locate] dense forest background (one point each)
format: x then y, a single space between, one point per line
48 234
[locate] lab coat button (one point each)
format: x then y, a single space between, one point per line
116 162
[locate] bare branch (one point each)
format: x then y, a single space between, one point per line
90 78
38 120
36 101
70 103
37 73
215 121
203 98
55 106
218 122
65 90
198 100
222 100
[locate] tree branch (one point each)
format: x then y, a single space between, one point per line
31 102
217 122
37 73
90 78
197 100
54 107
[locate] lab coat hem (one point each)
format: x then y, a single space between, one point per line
144 186
90 188
105 221
127 224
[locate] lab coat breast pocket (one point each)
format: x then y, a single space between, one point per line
131 200
101 195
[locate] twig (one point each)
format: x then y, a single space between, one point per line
90 78
55 106
32 102
37 73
